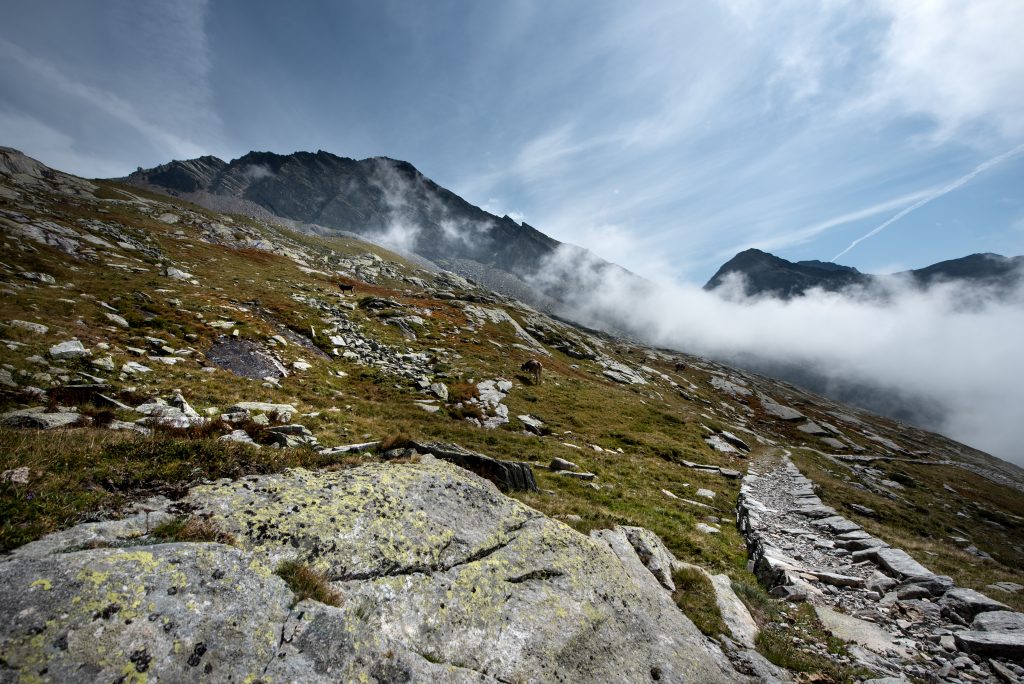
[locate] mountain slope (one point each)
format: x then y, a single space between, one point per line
260 428
767 274
381 198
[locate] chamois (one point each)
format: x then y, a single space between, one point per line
535 367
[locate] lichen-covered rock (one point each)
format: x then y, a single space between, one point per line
175 612
442 578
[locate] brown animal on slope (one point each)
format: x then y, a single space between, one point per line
535 367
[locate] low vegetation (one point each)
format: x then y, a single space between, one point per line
695 596
191 529
307 583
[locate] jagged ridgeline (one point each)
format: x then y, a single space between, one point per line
383 199
230 450
765 274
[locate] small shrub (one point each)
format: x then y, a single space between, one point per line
461 411
307 583
99 417
191 529
763 608
398 440
461 392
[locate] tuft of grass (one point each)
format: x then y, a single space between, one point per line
695 596
307 583
461 392
88 474
191 529
793 642
397 440
463 411
763 608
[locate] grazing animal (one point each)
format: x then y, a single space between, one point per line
345 287
680 366
535 367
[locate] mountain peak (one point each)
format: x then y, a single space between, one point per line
767 274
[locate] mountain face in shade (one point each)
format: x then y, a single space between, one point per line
767 274
380 198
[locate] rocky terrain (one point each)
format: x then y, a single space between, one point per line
905 619
230 451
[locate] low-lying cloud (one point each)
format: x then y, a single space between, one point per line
947 358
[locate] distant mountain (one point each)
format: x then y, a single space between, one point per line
383 199
767 274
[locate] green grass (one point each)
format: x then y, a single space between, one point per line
307 583
695 596
776 642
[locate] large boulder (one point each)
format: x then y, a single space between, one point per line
967 603
442 578
508 475
38 417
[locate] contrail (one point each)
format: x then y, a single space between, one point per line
980 168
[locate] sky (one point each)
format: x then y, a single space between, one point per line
664 136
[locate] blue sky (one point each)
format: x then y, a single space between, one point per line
665 136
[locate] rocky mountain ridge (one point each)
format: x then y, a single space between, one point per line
765 274
384 199
228 449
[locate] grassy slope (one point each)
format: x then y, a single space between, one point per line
644 432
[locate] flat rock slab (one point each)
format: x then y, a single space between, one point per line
1003 644
734 612
837 524
967 603
97 615
999 621
508 475
245 358
898 563
836 579
39 419
867 634
780 411
816 511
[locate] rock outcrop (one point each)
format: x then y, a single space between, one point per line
441 577
864 591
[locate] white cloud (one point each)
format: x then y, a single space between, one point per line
35 138
944 190
958 63
926 347
144 96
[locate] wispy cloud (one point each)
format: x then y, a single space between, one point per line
107 102
957 63
945 190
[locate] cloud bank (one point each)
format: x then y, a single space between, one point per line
947 358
